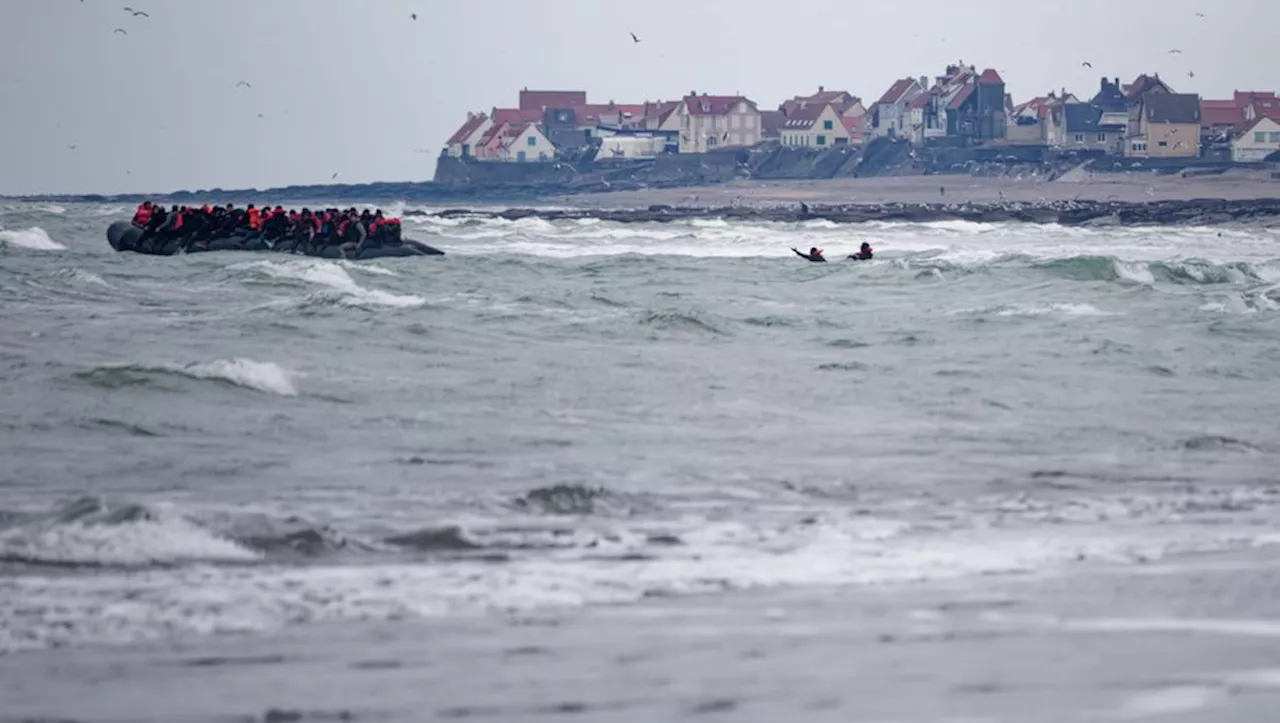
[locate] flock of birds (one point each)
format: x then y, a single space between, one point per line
1172 51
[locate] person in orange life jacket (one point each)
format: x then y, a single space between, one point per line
814 255
142 216
864 252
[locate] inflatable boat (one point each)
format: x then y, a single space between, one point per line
124 236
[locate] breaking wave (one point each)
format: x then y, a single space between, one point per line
34 238
339 284
265 377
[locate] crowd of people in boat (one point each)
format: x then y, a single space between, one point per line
304 231
816 255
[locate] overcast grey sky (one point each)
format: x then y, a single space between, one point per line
360 89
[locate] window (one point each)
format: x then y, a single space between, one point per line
466 149
1164 144
1102 137
1259 137
1275 137
735 121
521 157
751 121
1138 146
826 126
533 140
1079 138
822 140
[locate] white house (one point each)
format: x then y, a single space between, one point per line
708 122
814 126
515 143
1258 140
889 112
463 143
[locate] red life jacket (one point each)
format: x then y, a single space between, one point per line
255 219
143 216
178 218
342 229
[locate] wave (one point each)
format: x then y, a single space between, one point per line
334 276
34 239
672 320
265 377
89 532
1044 309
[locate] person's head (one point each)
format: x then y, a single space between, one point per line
865 245
249 207
813 250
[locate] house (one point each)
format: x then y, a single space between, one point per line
771 124
1113 102
846 103
708 122
887 115
661 116
856 128
814 126
1085 131
463 141
1168 126
974 105
500 116
1040 120
514 143
540 100
921 118
1256 104
1220 120
1258 140
1141 87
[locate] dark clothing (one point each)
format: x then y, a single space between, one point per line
815 258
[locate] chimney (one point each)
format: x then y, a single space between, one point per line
821 89
693 92
924 82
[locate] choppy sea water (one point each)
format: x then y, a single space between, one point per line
555 417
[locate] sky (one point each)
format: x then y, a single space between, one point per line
360 89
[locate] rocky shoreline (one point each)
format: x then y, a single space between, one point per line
1200 212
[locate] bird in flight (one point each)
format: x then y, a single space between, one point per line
1087 64
333 177
634 38
413 15
1199 15
244 83
128 9
137 13
1175 51
122 31
1191 73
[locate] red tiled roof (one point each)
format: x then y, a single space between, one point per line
960 98
1143 84
990 77
1220 113
805 117
895 92
495 131
1242 98
468 128
712 104
854 127
919 101
541 99
516 115
659 109
824 97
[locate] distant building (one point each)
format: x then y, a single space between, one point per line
1085 131
1168 126
846 103
1256 141
519 142
771 124
814 126
708 122
540 100
463 142
888 113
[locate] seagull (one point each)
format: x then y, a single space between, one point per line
122 31
1087 64
1191 73
1175 51
72 147
634 38
1199 15
333 177
261 115
128 9
413 15
245 83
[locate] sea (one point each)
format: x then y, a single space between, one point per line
642 472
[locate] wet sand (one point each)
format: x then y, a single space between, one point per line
1134 187
1191 640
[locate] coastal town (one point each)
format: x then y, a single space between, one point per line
962 107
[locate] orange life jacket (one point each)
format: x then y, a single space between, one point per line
178 219
255 219
143 216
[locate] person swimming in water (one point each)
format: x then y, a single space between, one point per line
814 255
864 252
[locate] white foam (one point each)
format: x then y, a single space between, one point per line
1137 273
262 376
1168 701
164 539
34 238
1045 309
332 275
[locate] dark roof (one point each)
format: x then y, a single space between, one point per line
1082 117
473 122
1172 108
805 117
990 77
771 122
713 104
896 91
1144 84
1110 97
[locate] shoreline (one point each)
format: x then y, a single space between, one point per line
1074 212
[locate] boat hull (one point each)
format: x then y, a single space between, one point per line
124 236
